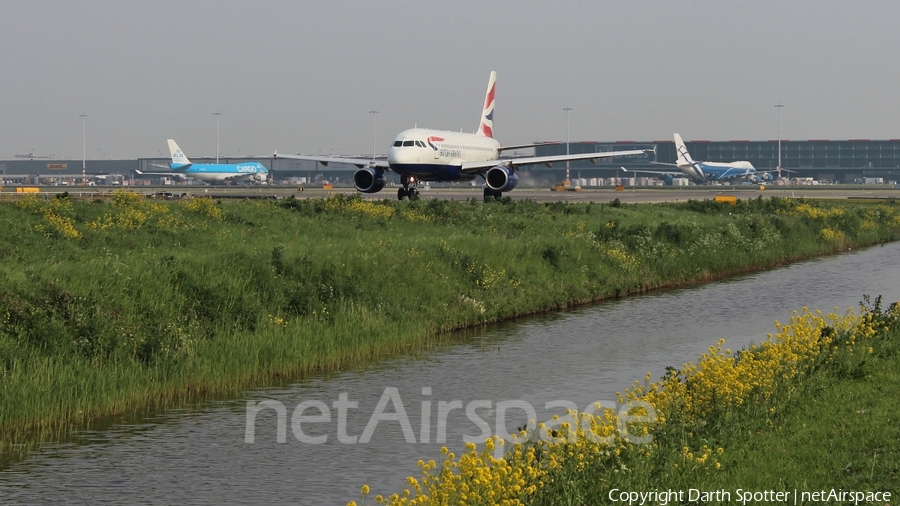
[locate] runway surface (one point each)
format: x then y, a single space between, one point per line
637 194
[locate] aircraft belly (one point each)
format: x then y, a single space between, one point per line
431 172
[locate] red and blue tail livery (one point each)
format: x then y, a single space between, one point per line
487 114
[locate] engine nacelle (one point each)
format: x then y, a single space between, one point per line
761 177
368 180
501 179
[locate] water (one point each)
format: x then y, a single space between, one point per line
198 455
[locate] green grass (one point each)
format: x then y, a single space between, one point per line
108 307
841 431
836 429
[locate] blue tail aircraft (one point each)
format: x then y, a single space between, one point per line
211 172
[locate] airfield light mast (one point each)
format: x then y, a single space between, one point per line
567 109
83 151
217 114
779 107
373 112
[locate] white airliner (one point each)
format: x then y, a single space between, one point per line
706 172
420 154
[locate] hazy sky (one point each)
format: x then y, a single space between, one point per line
302 76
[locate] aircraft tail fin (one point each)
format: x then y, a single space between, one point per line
486 128
684 158
178 156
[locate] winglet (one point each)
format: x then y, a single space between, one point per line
486 128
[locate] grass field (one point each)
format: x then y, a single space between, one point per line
111 306
830 427
808 416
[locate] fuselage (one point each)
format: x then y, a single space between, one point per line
224 172
438 155
717 171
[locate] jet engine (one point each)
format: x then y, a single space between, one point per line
759 178
501 179
368 180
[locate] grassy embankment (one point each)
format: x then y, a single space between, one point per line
106 307
828 421
812 410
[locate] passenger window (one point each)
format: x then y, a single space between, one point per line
398 143
408 143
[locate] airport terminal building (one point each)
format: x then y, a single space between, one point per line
838 161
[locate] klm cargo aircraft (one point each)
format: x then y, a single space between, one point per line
211 172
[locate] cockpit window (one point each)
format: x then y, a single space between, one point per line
398 144
419 143
409 143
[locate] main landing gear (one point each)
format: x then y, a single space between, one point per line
490 194
406 192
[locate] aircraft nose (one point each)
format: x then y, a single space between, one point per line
405 155
392 155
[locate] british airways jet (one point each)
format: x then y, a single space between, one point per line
420 154
211 172
706 172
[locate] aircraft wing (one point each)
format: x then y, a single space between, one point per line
325 160
524 146
657 172
170 174
513 163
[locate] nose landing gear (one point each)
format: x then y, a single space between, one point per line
411 193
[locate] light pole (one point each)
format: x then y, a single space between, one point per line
779 107
217 114
567 109
373 112
83 151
